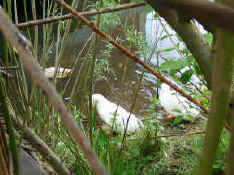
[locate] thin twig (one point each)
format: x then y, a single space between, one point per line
25 51
41 147
129 54
174 135
69 16
9 67
182 134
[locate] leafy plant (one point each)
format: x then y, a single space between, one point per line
108 19
102 67
173 64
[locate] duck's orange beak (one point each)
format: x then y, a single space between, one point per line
169 116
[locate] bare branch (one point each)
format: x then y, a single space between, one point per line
69 16
24 49
185 133
42 147
4 160
204 11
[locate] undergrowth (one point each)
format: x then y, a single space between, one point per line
142 153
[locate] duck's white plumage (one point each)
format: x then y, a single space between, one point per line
115 115
174 103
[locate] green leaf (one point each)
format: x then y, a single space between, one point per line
185 51
165 50
179 38
209 38
148 9
172 73
178 119
197 69
173 65
136 0
156 15
166 36
186 76
190 58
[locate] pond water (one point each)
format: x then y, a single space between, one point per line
123 91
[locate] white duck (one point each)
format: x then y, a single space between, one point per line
175 104
115 116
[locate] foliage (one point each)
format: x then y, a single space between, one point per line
102 67
209 38
136 39
183 70
141 153
108 19
173 64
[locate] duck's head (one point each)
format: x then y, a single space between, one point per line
164 87
96 98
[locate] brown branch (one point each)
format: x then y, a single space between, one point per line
129 54
40 146
25 52
4 159
175 135
203 10
183 134
69 16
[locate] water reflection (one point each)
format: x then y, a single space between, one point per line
156 29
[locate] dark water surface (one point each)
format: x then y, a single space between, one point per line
111 86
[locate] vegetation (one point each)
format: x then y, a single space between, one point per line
165 147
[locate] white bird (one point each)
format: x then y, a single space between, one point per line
175 104
115 116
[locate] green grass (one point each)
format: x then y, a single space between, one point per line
143 153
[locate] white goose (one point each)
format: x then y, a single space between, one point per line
175 104
115 116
